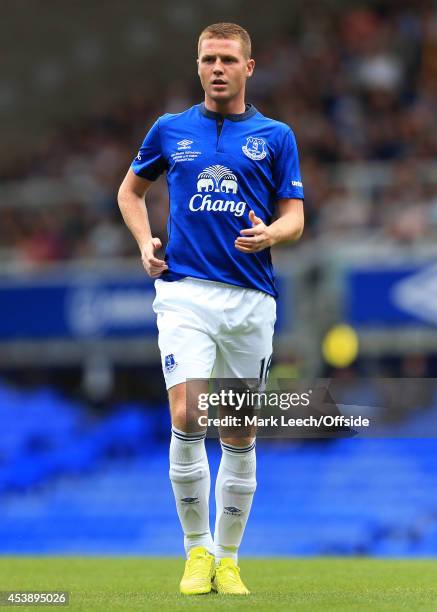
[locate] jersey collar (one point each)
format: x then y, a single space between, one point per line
249 112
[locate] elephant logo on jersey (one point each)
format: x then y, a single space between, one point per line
254 148
216 180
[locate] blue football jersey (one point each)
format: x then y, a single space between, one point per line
218 169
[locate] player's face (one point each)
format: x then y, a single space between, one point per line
223 69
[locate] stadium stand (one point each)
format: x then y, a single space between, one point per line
74 484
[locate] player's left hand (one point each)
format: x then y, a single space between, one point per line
255 238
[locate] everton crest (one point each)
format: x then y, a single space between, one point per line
170 363
255 148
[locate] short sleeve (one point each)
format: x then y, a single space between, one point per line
150 162
286 173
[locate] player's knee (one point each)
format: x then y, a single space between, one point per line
185 474
178 406
183 420
239 486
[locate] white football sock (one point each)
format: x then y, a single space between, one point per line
190 479
234 491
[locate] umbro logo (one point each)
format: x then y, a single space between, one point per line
232 510
184 144
190 500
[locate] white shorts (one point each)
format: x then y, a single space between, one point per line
205 325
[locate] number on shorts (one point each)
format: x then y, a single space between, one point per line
264 370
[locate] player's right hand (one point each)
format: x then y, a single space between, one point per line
152 265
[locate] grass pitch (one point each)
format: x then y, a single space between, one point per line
133 583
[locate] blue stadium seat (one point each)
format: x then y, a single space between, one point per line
75 484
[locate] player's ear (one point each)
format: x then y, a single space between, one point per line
250 67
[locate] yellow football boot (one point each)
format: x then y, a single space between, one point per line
199 572
227 579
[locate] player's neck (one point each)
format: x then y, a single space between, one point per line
227 107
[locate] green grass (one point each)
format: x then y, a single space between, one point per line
133 583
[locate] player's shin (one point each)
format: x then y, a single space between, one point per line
190 478
235 488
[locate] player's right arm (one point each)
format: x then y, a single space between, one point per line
133 209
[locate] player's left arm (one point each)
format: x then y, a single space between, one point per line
288 227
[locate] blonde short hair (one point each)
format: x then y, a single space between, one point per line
227 30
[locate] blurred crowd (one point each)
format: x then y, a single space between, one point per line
359 89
